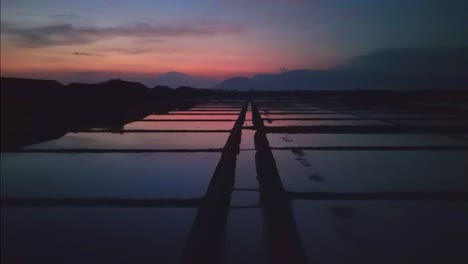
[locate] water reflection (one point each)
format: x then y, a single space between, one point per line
433 122
232 112
277 123
319 140
94 235
383 232
332 232
111 175
135 141
185 117
311 115
364 171
200 125
245 237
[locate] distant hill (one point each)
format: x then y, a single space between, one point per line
416 60
398 68
176 79
346 80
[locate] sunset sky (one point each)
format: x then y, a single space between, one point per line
73 40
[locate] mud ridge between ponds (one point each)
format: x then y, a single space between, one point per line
205 243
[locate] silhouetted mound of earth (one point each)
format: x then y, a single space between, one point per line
26 98
38 110
189 92
117 90
162 90
29 87
31 111
109 103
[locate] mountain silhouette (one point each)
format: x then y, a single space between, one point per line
346 80
399 69
416 60
176 79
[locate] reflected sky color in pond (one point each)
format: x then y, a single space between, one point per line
234 109
248 115
246 174
135 141
292 115
110 175
405 115
332 232
205 112
239 104
176 117
200 125
245 223
361 111
278 123
321 140
245 198
247 141
383 232
272 112
94 235
433 122
248 120
294 109
245 239
372 171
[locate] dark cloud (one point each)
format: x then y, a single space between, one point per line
297 1
65 16
130 51
58 16
434 59
269 1
67 34
85 54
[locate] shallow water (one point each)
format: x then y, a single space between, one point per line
94 235
433 122
247 141
202 117
320 111
245 237
161 140
402 115
382 232
331 231
310 115
181 125
279 123
323 140
110 175
372 171
230 112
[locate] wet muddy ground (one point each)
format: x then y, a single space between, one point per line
244 181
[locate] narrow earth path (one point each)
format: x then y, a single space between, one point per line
206 240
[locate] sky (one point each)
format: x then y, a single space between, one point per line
91 39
